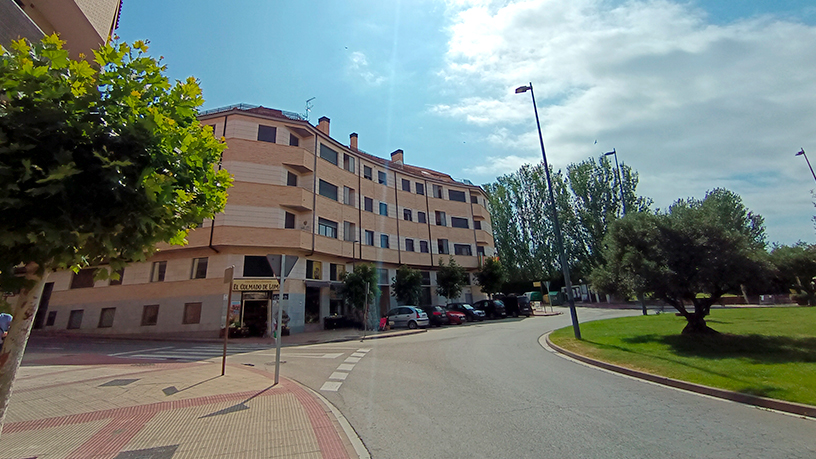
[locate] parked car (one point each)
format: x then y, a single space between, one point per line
456 317
471 314
408 316
517 305
436 315
494 309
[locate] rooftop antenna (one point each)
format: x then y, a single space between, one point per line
309 106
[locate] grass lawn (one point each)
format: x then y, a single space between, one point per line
761 351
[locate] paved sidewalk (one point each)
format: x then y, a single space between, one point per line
157 410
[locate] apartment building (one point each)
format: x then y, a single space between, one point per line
303 203
83 24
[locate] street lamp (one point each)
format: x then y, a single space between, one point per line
802 153
619 177
559 239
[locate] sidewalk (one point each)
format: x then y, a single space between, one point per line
152 410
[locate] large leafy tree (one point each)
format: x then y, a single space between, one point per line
450 279
359 290
491 276
407 285
796 270
690 255
99 162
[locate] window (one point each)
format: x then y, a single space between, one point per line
369 237
406 185
382 178
199 268
257 266
426 277
409 245
52 317
326 228
293 140
328 190
349 231
157 274
289 220
121 273
150 314
457 222
291 179
480 250
367 173
192 313
474 199
314 269
441 219
383 209
437 191
421 217
348 163
477 224
328 154
382 276
75 319
406 215
442 245
423 246
420 189
336 271
349 196
106 318
454 195
83 279
368 204
267 133
384 241
462 249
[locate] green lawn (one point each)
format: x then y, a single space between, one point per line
761 351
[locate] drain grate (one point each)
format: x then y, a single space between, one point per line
160 452
118 382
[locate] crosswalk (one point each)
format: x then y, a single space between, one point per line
192 353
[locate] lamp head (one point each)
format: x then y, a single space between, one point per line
522 89
610 152
801 152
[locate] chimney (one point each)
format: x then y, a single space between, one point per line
353 141
397 157
323 125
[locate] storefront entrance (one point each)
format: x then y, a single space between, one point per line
255 317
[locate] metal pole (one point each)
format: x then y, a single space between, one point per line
802 152
228 273
559 239
279 336
620 181
365 313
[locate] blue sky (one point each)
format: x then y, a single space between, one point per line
693 95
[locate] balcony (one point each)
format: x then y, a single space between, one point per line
294 197
480 213
484 238
296 158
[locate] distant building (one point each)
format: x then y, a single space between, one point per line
83 24
298 192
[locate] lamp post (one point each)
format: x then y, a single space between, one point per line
558 238
802 153
619 177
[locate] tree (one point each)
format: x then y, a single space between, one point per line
692 254
100 162
450 279
491 276
407 285
354 290
796 270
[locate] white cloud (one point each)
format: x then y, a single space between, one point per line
689 104
358 65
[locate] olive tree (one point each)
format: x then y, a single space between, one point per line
450 279
359 290
407 285
99 162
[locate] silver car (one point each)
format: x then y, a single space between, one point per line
408 316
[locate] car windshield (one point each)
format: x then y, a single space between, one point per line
467 306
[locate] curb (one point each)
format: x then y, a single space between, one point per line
779 405
391 335
351 434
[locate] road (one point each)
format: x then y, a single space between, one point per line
490 390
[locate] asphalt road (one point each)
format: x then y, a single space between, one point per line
490 390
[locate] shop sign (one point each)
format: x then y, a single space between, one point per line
255 285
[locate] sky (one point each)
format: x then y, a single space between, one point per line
692 95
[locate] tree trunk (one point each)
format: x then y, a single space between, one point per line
697 325
15 342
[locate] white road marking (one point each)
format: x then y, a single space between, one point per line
363 350
331 386
141 350
310 355
339 375
352 360
358 355
345 367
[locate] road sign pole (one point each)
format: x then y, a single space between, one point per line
279 325
229 275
